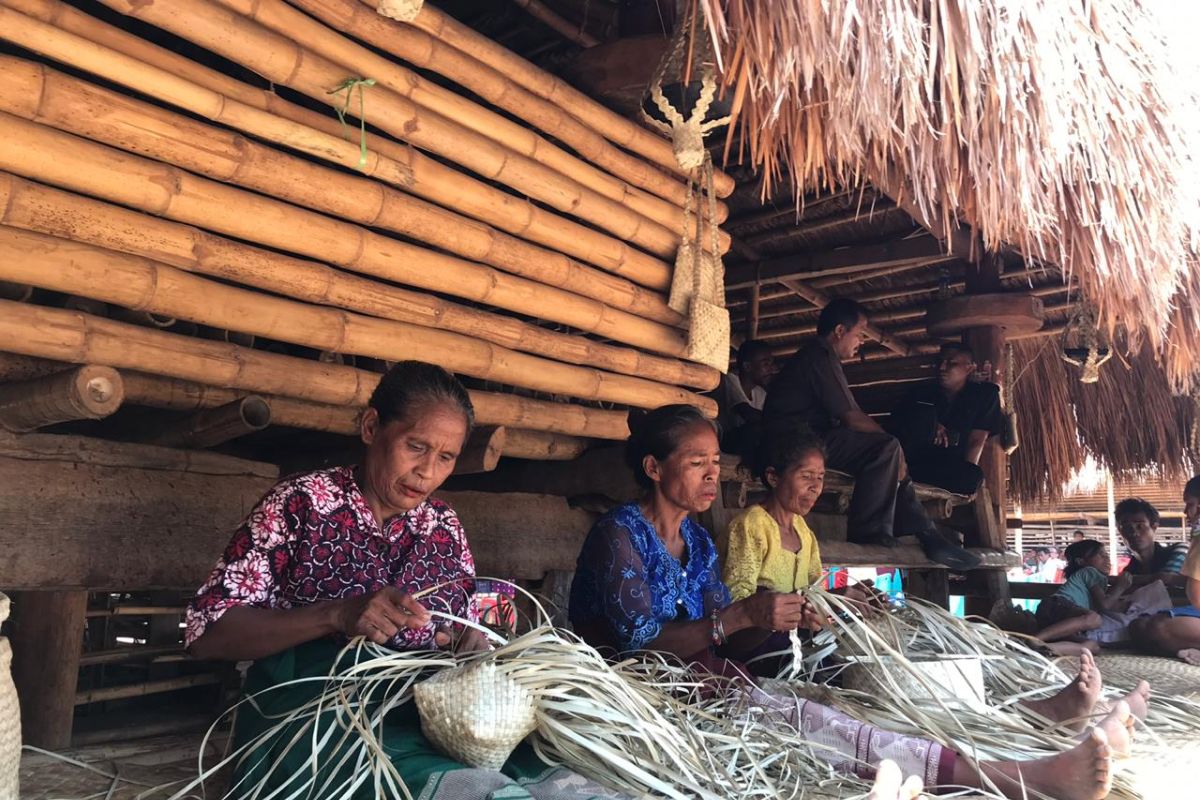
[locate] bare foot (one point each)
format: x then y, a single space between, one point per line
1075 702
1139 700
1117 726
1083 773
1191 655
887 784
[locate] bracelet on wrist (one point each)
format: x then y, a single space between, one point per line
718 628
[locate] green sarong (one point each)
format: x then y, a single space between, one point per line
282 765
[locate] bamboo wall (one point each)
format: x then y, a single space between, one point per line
206 229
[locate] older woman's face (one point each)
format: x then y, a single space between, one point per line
798 488
407 459
689 476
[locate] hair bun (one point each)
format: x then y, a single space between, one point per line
636 420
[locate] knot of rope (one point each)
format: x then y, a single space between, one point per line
348 86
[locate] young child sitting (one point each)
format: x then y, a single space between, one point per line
1074 608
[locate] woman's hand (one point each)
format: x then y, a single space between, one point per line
774 611
472 640
810 618
867 600
380 615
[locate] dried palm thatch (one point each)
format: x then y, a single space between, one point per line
1061 129
1129 421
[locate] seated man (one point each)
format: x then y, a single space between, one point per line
741 395
1137 520
811 391
1176 632
944 424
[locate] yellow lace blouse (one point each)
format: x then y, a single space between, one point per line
753 556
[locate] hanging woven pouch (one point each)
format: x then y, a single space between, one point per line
10 719
708 335
476 714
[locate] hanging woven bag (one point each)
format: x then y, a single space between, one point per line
10 718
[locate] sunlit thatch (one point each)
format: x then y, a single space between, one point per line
1060 128
1128 421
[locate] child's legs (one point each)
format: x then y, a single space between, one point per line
1073 626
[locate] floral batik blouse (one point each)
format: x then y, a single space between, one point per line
627 585
314 537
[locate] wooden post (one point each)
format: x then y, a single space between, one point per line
987 342
752 320
932 585
47 639
88 392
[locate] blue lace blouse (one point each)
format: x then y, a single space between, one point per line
627 586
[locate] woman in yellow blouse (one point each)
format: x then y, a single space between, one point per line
769 546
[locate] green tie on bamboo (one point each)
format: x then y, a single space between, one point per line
348 86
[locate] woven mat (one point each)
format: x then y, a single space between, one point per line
1167 676
148 762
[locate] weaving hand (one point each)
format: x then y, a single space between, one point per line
380 615
867 600
775 611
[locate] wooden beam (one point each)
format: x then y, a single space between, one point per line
145 688
958 238
819 299
136 517
47 639
109 515
832 222
841 261
753 316
891 370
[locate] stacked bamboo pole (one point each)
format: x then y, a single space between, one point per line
63 335
31 206
139 283
307 32
87 392
90 168
422 50
156 391
70 104
613 127
286 63
386 159
526 244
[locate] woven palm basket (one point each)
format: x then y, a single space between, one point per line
10 719
475 714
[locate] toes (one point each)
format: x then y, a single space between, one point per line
887 781
912 788
1098 740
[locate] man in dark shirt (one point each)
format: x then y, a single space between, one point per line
1137 521
811 391
741 395
944 424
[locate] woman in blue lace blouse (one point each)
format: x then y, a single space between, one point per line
647 579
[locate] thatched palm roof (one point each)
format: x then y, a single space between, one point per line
1060 129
